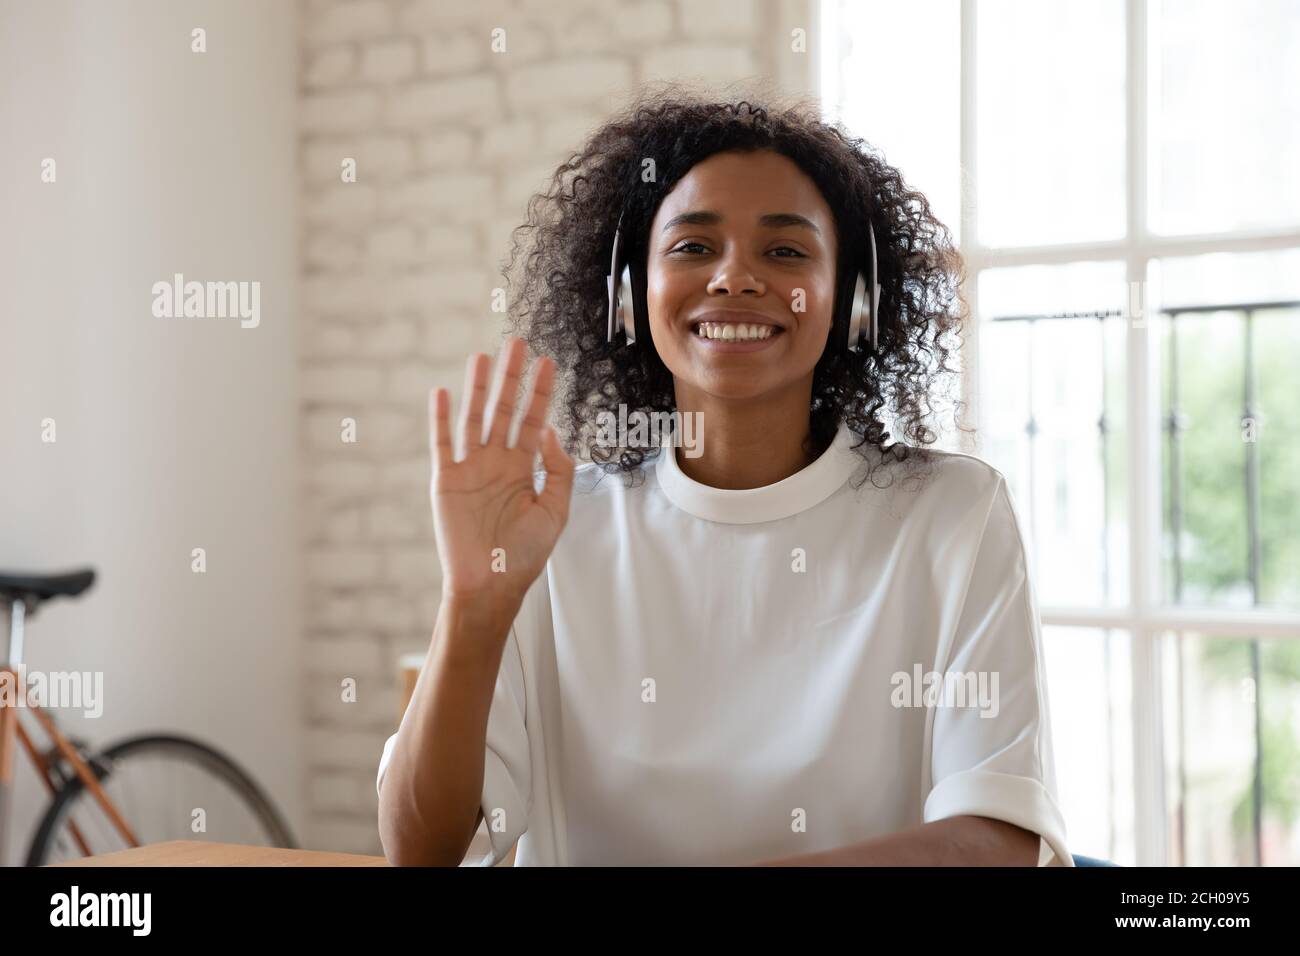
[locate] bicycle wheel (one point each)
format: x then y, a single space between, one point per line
159 784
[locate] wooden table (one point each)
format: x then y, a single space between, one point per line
200 853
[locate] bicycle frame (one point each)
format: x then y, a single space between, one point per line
11 729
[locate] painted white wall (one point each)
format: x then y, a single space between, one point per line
172 434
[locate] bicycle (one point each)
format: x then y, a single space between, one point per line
81 782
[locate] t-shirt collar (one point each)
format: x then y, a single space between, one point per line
807 487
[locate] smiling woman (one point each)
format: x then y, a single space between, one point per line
736 214
700 664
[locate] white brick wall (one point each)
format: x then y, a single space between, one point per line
450 139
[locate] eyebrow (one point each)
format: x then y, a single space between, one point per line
773 220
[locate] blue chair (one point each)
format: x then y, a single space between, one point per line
1090 861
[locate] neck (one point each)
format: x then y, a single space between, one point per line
747 443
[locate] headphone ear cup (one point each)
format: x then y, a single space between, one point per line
614 314
859 313
842 320
875 318
611 325
627 306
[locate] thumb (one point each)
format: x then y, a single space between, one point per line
559 475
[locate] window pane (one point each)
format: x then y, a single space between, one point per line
1225 122
1277 356
1005 441
1231 701
1090 693
1049 366
1205 460
1231 506
1224 277
864 87
1279 704
1050 121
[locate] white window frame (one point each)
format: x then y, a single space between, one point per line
1147 616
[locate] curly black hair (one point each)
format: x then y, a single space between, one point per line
559 303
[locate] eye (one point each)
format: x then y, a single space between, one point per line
797 253
682 247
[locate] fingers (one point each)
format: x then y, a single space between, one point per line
539 401
440 449
471 421
501 406
494 403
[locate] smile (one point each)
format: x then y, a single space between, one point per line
735 337
735 331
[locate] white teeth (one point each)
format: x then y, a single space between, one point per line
730 331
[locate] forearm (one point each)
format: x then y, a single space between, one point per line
429 795
955 841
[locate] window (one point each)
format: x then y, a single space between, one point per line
1120 174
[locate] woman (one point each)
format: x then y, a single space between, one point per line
743 651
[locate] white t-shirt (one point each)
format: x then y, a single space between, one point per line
717 677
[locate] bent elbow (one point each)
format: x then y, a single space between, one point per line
402 847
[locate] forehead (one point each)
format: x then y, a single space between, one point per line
746 185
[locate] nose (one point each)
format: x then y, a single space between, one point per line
735 276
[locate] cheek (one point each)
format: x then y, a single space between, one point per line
661 294
811 299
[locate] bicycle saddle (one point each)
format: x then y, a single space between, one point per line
22 586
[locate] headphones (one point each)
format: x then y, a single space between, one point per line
853 306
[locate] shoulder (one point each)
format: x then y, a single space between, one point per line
962 472
948 499
977 503
932 477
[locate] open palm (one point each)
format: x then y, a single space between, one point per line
494 531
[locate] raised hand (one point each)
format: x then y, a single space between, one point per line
483 497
